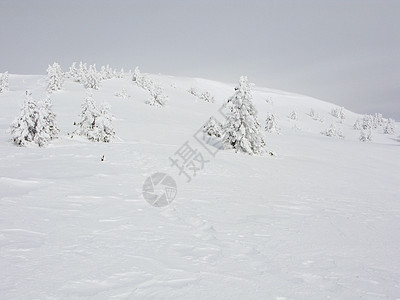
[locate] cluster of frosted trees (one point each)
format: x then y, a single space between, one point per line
90 77
157 95
36 123
368 123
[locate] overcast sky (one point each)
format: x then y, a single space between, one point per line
346 52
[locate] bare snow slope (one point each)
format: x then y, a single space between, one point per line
321 219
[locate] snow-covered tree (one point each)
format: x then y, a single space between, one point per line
338 113
95 124
213 128
55 77
23 128
358 124
271 125
366 135
92 78
368 122
193 91
314 115
35 124
103 123
157 96
89 113
206 96
242 130
122 94
106 72
4 82
49 117
137 77
333 131
293 115
389 127
73 71
377 120
120 74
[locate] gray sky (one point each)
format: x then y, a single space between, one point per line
345 52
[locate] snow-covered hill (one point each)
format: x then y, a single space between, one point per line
318 219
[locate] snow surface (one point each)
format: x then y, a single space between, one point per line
320 219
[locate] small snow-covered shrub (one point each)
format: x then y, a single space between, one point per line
389 127
213 128
271 125
338 113
4 82
315 116
122 94
333 131
206 96
293 115
269 100
55 77
157 96
366 135
358 124
193 91
95 124
35 124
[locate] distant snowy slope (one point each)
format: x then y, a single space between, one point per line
318 219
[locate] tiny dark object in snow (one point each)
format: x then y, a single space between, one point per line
102 159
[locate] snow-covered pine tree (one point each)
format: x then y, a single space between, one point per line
35 124
55 77
89 113
137 77
4 82
293 115
338 113
358 124
157 96
23 128
213 128
368 122
49 118
377 120
81 72
242 130
95 124
366 135
207 97
92 78
193 91
72 72
389 127
271 125
105 131
123 94
333 131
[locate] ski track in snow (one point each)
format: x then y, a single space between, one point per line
320 220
